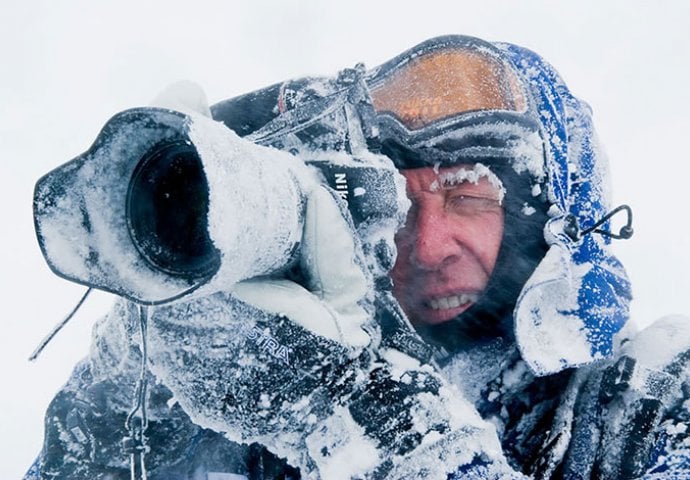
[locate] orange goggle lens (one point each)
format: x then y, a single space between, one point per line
445 83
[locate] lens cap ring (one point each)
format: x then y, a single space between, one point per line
167 211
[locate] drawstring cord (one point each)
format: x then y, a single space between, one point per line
624 233
572 228
56 329
137 420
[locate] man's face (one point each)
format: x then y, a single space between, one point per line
449 244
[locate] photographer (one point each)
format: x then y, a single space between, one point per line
503 267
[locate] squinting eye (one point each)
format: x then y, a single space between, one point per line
470 205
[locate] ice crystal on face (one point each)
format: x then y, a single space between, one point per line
469 175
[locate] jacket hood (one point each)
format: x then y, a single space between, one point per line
578 297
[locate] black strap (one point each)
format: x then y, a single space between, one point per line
59 326
572 227
625 232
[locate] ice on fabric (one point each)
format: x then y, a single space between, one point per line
549 333
528 210
283 297
334 266
81 210
475 368
231 386
341 447
256 200
337 281
673 332
579 287
523 146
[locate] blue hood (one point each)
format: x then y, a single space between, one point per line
578 297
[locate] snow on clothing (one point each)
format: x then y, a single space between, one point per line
85 423
564 406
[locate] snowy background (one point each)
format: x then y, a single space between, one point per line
68 66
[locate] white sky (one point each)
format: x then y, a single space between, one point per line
68 66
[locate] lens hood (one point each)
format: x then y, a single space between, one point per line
128 216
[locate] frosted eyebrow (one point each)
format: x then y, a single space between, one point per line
469 175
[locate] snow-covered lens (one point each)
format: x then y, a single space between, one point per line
167 211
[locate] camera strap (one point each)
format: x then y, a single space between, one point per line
135 445
339 108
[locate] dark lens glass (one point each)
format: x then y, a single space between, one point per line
167 207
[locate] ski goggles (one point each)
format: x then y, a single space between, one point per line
453 100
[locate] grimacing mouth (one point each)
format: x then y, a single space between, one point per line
451 301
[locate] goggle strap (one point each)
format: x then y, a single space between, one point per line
298 118
353 91
359 96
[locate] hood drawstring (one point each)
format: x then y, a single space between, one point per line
624 233
572 228
56 329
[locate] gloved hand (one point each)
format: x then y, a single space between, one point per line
297 365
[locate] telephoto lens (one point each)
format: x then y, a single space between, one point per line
164 203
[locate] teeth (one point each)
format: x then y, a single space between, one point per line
452 301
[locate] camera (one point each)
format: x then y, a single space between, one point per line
165 202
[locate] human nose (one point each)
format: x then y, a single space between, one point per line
433 243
